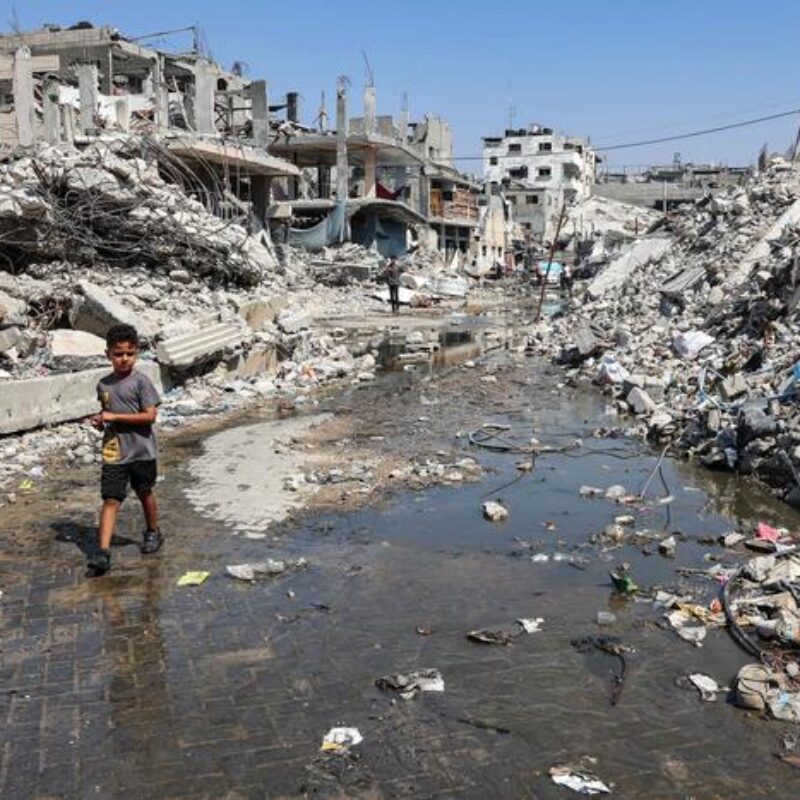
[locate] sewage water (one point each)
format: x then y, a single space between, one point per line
226 689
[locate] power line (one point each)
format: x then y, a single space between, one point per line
643 142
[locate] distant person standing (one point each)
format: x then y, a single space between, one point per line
566 279
393 273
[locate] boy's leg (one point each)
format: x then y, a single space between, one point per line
143 479
108 521
113 488
147 498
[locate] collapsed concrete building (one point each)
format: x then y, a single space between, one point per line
381 182
63 85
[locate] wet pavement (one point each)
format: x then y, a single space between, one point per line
130 686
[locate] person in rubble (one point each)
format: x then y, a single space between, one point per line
129 400
392 274
566 280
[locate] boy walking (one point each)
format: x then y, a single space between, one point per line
128 399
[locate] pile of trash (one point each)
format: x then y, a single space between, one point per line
693 330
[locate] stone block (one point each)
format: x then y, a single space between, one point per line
97 311
257 313
9 338
76 344
260 359
733 386
199 346
31 403
12 311
640 401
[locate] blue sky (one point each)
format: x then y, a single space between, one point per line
616 71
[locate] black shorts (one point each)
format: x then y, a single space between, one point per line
114 478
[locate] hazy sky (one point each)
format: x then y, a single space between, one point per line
616 71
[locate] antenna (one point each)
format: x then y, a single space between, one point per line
13 21
370 75
512 115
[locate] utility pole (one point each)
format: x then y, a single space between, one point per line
553 244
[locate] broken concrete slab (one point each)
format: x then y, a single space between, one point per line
76 344
733 386
29 404
199 346
12 311
640 401
635 256
9 337
97 311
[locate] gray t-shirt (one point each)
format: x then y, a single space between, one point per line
131 394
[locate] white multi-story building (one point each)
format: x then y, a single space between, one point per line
538 171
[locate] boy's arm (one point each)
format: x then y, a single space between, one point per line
145 417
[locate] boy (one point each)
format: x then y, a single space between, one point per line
129 402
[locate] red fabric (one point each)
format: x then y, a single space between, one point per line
384 194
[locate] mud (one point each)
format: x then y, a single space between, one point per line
129 686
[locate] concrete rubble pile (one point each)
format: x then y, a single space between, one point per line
697 334
95 237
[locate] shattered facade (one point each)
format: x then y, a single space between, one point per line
539 171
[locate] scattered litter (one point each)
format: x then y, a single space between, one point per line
532 625
591 491
193 578
606 618
687 627
540 558
706 685
340 740
486 636
623 582
613 646
579 778
494 511
424 630
616 492
767 532
270 568
410 684
667 546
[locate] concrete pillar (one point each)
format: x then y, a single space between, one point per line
204 93
369 110
87 89
160 93
107 73
324 182
370 172
22 85
424 193
51 111
260 111
342 170
259 197
291 106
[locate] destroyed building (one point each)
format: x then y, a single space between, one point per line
61 85
375 181
668 185
539 171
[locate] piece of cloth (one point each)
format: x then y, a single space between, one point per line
130 394
114 479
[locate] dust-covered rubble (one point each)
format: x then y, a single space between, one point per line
700 342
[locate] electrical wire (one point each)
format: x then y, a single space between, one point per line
643 142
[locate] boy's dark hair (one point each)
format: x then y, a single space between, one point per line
121 333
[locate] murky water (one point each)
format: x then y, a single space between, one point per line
132 687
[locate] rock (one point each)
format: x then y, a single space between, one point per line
733 386
494 511
640 401
755 424
67 344
13 312
9 337
180 276
97 311
668 546
715 296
